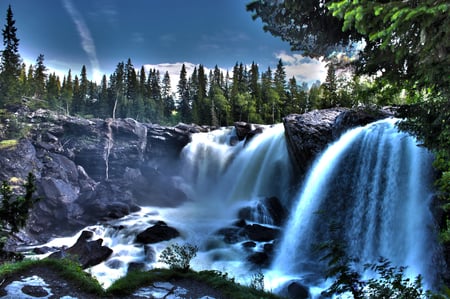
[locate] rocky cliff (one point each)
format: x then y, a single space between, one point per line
90 170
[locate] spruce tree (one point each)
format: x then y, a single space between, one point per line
10 63
184 106
166 93
39 78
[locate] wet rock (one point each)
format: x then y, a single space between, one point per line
242 129
260 259
232 235
157 233
260 233
266 211
87 253
295 290
308 134
358 117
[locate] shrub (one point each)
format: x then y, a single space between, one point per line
14 210
178 256
257 281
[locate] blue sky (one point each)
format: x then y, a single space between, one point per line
155 33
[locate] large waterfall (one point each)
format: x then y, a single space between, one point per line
370 191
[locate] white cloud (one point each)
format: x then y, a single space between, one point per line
304 69
87 42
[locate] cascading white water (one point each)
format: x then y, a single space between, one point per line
219 179
373 186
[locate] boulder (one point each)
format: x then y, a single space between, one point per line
260 233
308 134
157 233
266 211
87 253
295 290
358 117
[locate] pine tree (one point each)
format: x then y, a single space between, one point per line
67 92
77 96
39 78
105 109
84 91
279 107
10 63
184 106
330 95
53 92
166 93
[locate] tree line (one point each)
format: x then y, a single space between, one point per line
211 98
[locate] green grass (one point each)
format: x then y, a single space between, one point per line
127 285
66 268
220 281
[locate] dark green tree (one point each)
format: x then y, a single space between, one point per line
14 209
330 95
39 78
103 98
279 79
10 63
67 92
117 90
167 97
307 25
53 92
184 105
255 91
77 98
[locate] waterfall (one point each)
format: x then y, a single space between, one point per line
221 178
373 186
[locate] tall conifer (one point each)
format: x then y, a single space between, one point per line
10 63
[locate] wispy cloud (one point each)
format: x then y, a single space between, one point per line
87 42
303 68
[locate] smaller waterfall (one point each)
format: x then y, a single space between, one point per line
222 177
109 143
374 186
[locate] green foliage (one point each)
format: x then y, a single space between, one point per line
257 281
306 25
391 283
10 65
178 256
407 41
14 209
388 281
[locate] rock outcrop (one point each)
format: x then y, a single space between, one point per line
92 170
308 134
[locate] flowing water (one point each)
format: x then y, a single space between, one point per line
370 190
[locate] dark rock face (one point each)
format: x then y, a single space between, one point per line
88 253
91 170
157 233
309 134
